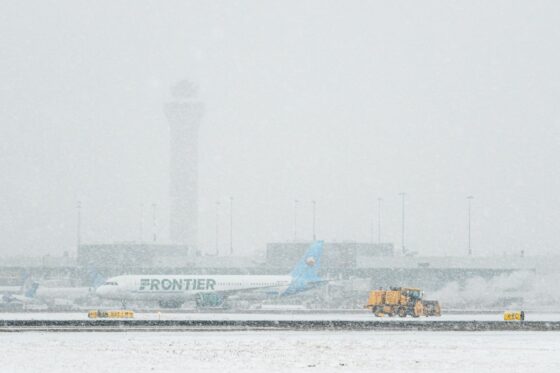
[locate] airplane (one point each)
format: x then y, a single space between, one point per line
68 295
27 297
171 291
43 293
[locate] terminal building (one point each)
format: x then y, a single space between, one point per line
339 258
375 263
378 264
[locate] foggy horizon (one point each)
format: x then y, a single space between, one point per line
337 104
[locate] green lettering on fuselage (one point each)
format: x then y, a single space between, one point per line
188 285
177 284
154 284
201 284
166 284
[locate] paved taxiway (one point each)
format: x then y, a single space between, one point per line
61 322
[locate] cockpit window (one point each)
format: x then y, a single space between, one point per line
111 283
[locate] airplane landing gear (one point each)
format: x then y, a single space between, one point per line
170 304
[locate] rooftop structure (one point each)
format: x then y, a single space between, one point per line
125 256
336 255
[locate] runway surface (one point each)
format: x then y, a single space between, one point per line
341 316
281 351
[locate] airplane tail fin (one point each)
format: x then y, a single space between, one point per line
306 272
309 264
30 293
96 279
25 277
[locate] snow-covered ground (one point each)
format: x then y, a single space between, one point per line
281 351
276 316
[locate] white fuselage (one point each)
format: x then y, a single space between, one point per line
184 287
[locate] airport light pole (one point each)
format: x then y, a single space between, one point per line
314 208
231 225
154 221
402 194
469 199
379 200
217 226
295 219
141 222
371 228
79 226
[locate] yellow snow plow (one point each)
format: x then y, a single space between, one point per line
402 302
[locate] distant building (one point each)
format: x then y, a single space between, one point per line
340 256
126 256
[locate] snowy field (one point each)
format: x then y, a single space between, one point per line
281 351
276 316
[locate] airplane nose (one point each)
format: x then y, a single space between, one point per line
101 291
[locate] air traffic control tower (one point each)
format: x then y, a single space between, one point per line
184 113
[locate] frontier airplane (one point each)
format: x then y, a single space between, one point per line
171 291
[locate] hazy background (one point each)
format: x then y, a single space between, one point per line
339 102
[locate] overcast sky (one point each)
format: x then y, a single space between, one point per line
340 102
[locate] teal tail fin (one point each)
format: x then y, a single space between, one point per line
30 293
306 272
